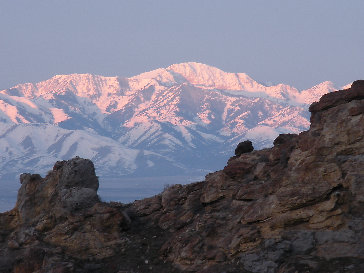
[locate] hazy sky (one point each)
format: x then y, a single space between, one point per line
298 42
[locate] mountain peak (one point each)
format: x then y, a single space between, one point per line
210 77
316 92
195 67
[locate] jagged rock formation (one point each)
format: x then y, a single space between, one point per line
297 207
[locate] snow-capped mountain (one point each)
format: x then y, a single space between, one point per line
186 118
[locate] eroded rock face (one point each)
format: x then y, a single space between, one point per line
71 186
59 222
297 207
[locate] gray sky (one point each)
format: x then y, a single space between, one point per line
297 42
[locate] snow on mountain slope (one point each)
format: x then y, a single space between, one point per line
27 147
184 118
205 76
315 93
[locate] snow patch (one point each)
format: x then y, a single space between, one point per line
59 115
262 133
12 113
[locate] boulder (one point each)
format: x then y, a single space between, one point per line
244 147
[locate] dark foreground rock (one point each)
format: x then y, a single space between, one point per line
297 207
244 147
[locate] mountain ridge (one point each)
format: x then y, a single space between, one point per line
197 74
184 111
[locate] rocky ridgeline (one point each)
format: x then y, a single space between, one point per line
297 207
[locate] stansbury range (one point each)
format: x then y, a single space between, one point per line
183 119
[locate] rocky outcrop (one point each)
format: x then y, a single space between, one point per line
72 185
297 207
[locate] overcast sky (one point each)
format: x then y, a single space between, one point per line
296 42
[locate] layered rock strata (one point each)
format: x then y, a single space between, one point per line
297 207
